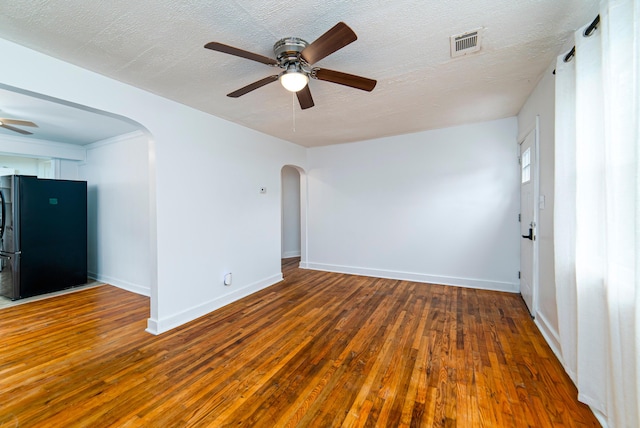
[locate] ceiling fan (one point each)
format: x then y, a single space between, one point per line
296 58
6 123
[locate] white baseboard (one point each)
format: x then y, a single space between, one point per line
549 334
553 339
289 254
600 417
510 287
152 326
158 326
125 285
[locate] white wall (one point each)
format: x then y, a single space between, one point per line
290 212
22 165
41 168
118 185
541 103
209 215
438 206
117 175
67 169
46 159
34 148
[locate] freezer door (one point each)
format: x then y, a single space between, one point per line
7 230
10 275
53 235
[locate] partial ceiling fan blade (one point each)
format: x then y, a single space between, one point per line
18 122
11 128
304 98
241 53
255 85
336 38
346 79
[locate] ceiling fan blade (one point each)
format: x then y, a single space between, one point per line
18 122
11 128
253 86
241 53
346 79
304 98
339 36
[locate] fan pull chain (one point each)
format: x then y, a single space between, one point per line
293 109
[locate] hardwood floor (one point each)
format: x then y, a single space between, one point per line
316 350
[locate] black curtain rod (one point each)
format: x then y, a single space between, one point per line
568 57
587 32
592 27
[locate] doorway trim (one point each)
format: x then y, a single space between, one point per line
535 128
303 212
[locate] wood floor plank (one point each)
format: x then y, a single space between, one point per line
316 350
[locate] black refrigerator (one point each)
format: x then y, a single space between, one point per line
43 235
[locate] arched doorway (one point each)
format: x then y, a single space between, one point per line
116 156
293 227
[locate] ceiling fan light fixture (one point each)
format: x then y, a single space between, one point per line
296 58
294 80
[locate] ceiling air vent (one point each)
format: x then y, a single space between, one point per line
464 44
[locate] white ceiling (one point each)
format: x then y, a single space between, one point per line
157 45
59 121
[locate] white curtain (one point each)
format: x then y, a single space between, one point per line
597 213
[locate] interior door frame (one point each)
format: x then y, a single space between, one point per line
535 128
303 213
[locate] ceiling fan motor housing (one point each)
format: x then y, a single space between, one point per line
288 50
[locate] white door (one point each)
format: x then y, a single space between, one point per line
527 220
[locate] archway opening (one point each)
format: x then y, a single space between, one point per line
293 227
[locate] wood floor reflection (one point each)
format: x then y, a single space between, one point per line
316 350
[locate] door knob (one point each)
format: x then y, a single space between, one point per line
530 235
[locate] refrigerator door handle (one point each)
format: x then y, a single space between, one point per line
2 222
6 254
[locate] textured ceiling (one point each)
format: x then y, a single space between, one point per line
157 45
